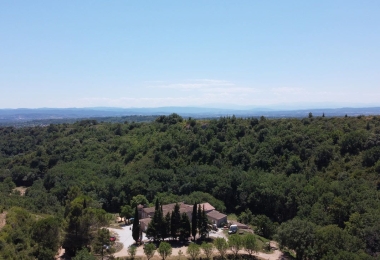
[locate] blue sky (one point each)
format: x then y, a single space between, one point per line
282 54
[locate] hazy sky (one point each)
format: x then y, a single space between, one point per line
189 53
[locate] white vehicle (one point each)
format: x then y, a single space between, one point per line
233 229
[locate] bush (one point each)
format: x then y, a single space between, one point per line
207 249
165 250
149 250
194 250
132 251
221 245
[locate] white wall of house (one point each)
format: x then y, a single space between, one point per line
218 222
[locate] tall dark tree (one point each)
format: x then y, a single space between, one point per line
157 220
199 219
157 205
175 222
136 226
165 233
204 224
151 232
185 227
156 228
194 221
161 224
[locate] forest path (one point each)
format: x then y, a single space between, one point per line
3 217
276 255
21 189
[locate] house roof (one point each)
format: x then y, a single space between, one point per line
146 221
148 210
169 208
207 206
216 215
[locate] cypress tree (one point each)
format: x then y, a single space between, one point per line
194 221
157 206
185 226
151 231
172 226
157 221
136 226
161 224
199 219
204 226
175 222
167 229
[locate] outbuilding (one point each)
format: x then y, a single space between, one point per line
217 218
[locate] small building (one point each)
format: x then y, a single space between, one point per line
217 218
239 225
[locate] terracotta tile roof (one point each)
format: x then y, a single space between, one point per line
148 210
207 206
169 208
185 208
216 215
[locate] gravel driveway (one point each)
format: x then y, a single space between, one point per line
125 237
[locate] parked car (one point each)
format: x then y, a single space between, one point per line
233 229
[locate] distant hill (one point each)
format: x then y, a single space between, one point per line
58 115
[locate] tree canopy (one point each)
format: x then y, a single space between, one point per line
323 171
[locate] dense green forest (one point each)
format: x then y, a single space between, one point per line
312 184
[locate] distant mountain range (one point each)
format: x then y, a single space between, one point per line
26 114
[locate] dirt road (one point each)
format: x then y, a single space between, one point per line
3 217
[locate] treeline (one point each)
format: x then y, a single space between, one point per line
321 170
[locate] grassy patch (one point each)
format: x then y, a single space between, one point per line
117 247
261 241
232 217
